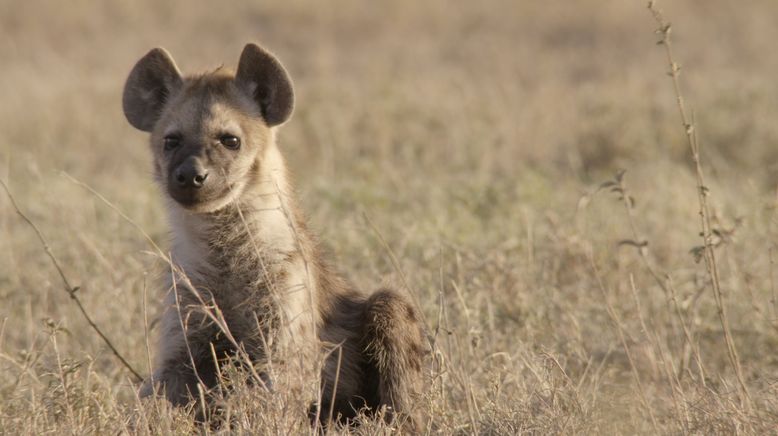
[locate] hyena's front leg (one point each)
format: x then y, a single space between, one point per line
394 346
176 381
185 360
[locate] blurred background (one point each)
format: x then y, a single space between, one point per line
553 85
475 135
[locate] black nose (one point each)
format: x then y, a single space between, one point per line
190 174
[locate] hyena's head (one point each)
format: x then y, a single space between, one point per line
208 132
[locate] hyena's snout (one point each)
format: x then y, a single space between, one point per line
190 174
190 184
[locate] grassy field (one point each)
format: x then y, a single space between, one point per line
478 137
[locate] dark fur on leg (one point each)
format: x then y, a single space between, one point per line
376 358
342 330
394 348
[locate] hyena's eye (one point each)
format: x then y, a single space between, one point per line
230 141
172 141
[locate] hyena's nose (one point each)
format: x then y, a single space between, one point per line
190 174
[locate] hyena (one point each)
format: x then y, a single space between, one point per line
248 277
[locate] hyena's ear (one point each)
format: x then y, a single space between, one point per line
263 78
152 81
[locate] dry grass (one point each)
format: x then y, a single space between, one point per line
477 137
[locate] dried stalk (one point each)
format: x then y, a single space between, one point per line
71 290
664 31
620 330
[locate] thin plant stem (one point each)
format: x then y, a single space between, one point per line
620 330
71 290
702 194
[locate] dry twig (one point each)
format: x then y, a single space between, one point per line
664 31
71 290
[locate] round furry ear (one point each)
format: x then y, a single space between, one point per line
261 76
151 82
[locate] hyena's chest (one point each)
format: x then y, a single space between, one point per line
241 286
271 295
257 281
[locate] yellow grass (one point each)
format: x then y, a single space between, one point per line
477 138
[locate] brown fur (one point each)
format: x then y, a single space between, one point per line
240 244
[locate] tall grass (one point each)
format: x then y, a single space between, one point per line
466 151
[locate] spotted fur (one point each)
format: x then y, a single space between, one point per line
247 277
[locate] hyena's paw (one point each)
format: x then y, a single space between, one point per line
178 387
151 385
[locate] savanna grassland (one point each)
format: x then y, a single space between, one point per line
524 161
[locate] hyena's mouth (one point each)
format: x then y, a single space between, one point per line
205 199
185 198
188 196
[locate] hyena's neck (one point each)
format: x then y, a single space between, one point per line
254 259
257 241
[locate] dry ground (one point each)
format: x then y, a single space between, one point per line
475 135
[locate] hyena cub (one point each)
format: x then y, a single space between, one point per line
248 277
